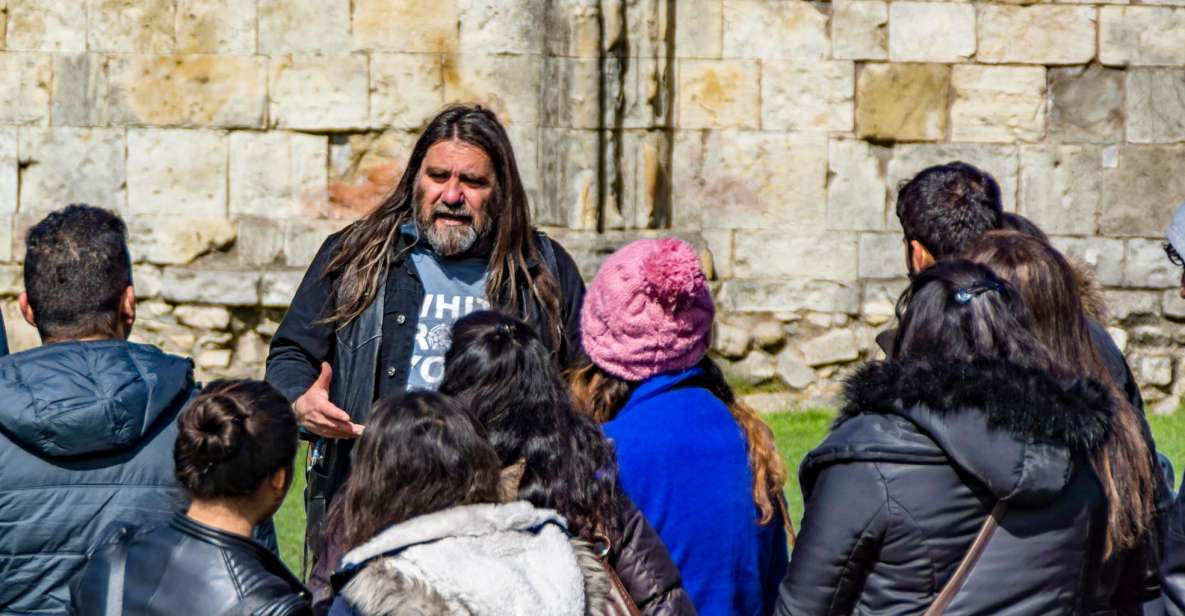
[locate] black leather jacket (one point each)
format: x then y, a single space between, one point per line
919 456
185 568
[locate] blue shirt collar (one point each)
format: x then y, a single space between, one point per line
658 385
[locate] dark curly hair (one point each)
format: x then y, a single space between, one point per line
500 370
946 207
231 437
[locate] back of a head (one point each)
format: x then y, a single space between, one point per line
77 268
960 310
947 207
1022 225
232 437
501 371
418 455
1049 286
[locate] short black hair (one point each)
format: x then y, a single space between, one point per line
947 207
77 268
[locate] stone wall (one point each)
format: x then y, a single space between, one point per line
234 135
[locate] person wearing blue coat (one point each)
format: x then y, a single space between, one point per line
87 420
701 466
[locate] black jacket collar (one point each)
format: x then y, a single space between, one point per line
230 541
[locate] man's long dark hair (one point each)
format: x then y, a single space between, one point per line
501 371
359 263
1050 288
419 455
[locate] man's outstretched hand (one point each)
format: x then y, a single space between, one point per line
318 415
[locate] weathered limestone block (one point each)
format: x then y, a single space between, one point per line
9 183
25 81
1141 189
756 367
760 180
882 255
649 103
1124 304
998 103
131 26
216 26
12 281
1156 105
6 229
80 90
719 94
774 253
507 26
1148 35
260 241
204 91
807 95
175 238
1037 34
1104 256
224 287
644 191
303 238
792 369
833 347
1087 104
573 29
1174 305
171 170
569 179
571 98
306 26
768 334
278 287
37 25
902 102
1060 187
910 158
931 31
731 341
146 279
1155 370
699 29
1146 266
509 85
857 186
250 348
319 92
423 26
774 295
760 29
212 359
276 174
203 317
719 244
405 89
860 29
60 166
640 25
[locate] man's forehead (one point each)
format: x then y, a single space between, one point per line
457 155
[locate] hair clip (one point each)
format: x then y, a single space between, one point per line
964 295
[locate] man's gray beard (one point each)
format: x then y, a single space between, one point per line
452 240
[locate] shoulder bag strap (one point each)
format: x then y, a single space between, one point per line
968 563
117 574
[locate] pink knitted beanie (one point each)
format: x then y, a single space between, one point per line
648 310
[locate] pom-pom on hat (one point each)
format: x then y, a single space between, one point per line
648 310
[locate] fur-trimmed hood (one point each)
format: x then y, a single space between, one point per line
1019 431
490 560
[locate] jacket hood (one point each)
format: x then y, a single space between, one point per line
83 398
1018 431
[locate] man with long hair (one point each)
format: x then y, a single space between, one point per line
372 317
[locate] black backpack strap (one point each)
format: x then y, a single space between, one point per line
114 542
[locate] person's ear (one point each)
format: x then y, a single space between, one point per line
919 257
127 310
279 481
26 310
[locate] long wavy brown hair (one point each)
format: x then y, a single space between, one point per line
1050 288
359 263
601 396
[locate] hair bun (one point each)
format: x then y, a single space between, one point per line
673 273
213 429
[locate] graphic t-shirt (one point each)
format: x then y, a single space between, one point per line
453 288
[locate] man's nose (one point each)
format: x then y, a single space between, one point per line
453 196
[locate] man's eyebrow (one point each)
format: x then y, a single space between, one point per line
435 170
475 177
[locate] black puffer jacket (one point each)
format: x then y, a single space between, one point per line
186 568
920 455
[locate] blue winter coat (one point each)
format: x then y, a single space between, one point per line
685 462
86 438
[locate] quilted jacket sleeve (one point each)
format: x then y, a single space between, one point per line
846 517
645 567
